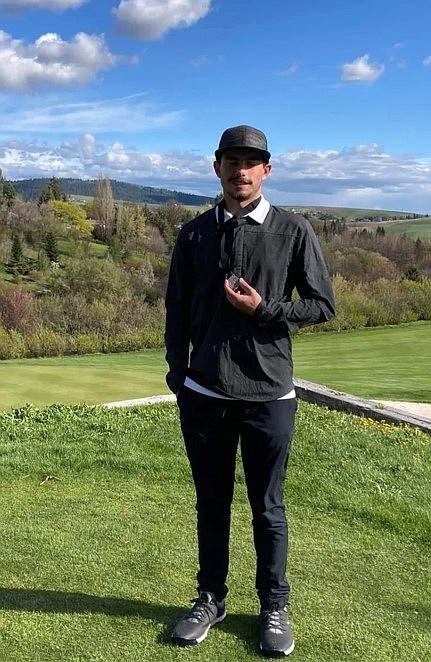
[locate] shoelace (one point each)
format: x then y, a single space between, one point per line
201 610
275 621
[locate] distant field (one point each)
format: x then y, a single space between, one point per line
390 363
414 228
420 227
349 213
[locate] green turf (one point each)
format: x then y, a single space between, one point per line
93 378
417 228
391 363
98 562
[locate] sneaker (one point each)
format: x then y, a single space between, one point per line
194 626
276 638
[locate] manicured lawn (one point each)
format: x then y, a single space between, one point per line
98 562
390 363
93 378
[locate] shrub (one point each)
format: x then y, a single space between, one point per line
134 341
46 342
12 345
86 344
16 308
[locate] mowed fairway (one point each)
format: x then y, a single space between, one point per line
90 379
390 363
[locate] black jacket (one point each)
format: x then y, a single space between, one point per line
242 356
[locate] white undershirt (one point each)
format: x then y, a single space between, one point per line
258 214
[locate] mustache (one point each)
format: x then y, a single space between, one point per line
239 180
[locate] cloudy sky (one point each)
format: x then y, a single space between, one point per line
140 91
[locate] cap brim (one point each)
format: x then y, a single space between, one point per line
263 153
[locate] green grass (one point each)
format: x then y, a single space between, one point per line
99 563
418 228
414 228
391 363
91 379
349 213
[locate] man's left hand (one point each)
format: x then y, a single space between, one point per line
245 299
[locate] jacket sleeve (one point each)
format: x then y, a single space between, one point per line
177 337
308 273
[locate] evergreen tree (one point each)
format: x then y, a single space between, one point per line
51 247
9 193
52 191
16 255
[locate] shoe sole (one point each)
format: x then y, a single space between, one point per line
192 642
273 653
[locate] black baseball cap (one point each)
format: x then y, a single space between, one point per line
243 137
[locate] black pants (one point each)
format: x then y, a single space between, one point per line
212 428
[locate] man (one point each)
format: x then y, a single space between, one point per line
229 298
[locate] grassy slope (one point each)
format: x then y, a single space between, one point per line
414 228
99 564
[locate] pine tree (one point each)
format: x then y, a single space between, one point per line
50 246
16 255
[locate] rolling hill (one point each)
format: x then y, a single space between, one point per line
30 189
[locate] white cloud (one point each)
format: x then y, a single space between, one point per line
51 61
151 19
289 71
123 114
427 60
361 176
361 70
10 6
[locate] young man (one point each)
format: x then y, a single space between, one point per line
229 298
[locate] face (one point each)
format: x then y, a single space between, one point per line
241 172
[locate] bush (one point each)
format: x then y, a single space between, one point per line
16 308
46 342
12 345
133 341
86 344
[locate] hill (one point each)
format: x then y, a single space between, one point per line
352 214
30 189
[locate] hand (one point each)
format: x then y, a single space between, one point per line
245 299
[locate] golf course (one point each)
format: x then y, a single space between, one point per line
391 363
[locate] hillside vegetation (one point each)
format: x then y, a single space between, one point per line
31 189
77 280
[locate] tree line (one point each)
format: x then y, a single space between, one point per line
93 279
31 189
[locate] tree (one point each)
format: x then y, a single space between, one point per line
103 208
130 226
73 218
93 279
17 253
52 191
51 247
168 218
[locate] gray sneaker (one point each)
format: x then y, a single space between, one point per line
276 638
194 626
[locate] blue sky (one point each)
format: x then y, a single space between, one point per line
140 91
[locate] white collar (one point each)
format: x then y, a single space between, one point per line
258 214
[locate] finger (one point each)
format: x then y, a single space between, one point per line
245 286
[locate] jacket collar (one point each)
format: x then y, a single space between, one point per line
258 214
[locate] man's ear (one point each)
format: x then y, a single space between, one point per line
216 166
266 170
